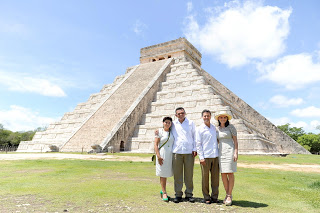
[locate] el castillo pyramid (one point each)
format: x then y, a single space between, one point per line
124 114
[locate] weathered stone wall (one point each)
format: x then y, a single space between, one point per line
127 124
284 143
176 48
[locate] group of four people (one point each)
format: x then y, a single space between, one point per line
179 142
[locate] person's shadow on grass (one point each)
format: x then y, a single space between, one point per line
246 203
240 203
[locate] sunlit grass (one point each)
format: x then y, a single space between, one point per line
84 183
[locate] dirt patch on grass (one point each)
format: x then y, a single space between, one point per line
23 203
33 203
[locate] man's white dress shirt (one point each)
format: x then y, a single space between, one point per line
184 137
206 141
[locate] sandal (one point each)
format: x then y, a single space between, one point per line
224 201
228 203
167 198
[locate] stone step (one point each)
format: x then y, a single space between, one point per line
54 141
147 146
59 131
184 84
183 74
190 101
179 71
107 87
184 81
98 96
67 122
80 111
188 89
72 115
88 105
114 108
188 92
61 136
182 65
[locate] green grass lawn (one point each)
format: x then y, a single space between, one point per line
291 159
100 186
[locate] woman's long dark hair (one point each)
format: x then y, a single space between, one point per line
227 123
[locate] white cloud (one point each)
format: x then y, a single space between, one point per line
279 121
307 112
189 6
314 124
307 127
18 118
300 124
282 101
241 33
139 27
292 71
25 83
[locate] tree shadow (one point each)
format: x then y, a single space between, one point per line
246 203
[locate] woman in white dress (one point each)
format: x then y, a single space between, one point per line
228 152
163 148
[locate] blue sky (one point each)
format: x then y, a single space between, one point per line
54 54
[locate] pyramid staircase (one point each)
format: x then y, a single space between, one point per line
185 86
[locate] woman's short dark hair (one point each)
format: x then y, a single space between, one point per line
167 118
227 123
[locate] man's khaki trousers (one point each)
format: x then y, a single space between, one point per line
212 168
183 170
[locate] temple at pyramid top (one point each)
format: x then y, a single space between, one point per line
180 47
124 114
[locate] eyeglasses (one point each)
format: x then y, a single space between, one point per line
181 113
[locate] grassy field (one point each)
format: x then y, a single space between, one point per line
106 186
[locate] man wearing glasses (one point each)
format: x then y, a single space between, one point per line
184 151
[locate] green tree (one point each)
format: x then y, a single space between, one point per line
310 142
4 137
14 138
9 138
293 132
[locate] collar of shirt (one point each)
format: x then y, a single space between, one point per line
206 141
184 134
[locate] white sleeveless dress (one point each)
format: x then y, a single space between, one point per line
165 170
226 149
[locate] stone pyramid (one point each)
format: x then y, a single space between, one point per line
124 114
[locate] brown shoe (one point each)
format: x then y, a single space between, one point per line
214 200
207 201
